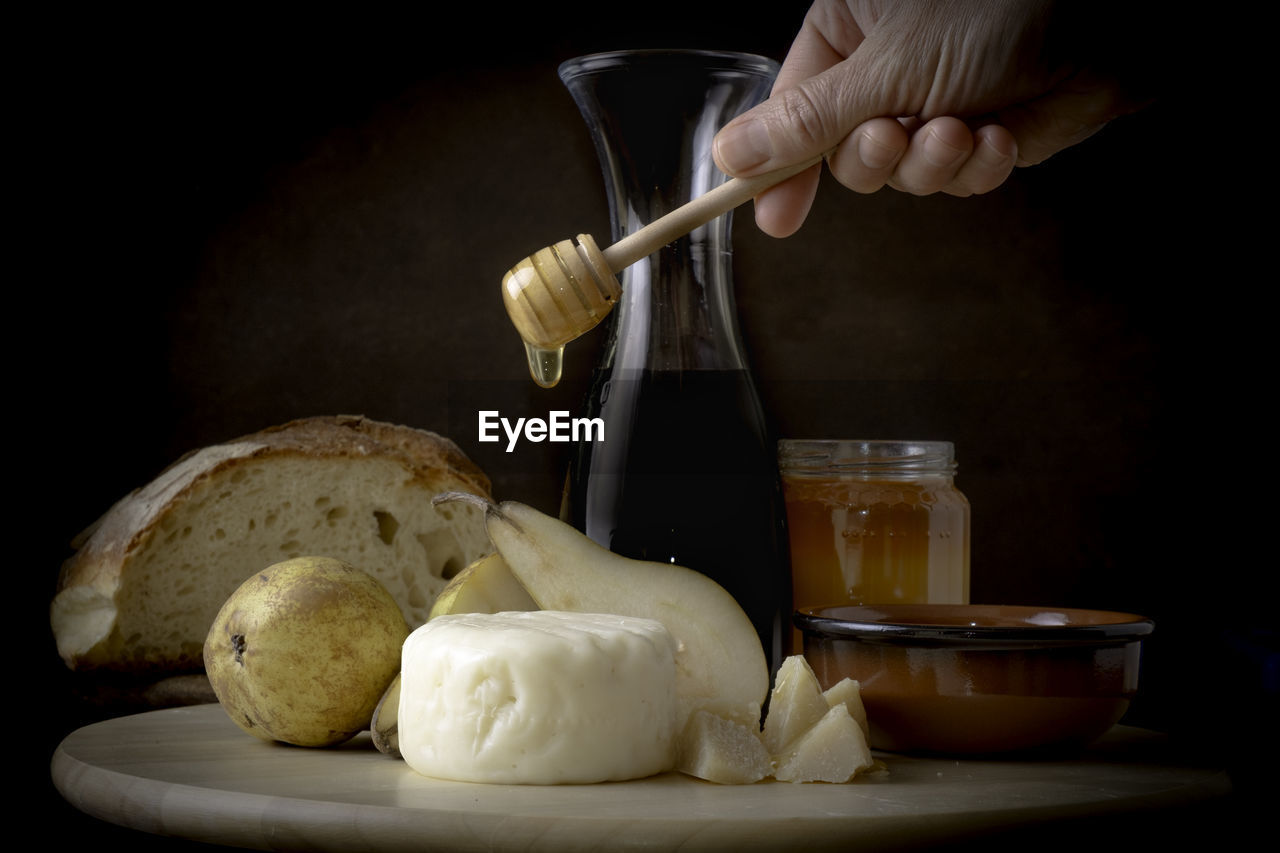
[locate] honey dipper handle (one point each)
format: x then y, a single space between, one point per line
701 210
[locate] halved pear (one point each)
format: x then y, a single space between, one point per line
720 664
484 586
384 728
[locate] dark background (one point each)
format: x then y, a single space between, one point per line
231 220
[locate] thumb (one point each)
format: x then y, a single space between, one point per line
794 125
821 95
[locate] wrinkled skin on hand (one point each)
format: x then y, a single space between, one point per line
930 96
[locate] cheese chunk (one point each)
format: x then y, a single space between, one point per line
539 697
722 750
833 750
795 705
848 692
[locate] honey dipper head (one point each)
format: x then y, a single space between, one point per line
560 293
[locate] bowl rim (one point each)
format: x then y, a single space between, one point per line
885 623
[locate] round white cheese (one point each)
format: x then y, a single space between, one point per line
542 697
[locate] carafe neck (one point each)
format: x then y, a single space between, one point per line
652 117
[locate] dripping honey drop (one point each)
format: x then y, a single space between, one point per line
545 365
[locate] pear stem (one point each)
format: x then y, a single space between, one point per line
464 497
491 510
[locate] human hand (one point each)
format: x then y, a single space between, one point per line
922 96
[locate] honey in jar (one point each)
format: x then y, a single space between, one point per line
874 522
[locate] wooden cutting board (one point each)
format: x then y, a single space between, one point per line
191 773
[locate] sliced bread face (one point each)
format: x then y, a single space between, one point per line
141 591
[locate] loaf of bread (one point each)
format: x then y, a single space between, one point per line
147 579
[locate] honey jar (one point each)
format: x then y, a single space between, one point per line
874 522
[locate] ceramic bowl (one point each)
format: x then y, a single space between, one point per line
979 680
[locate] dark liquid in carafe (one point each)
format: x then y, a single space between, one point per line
686 475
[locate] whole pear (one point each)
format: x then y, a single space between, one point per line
302 651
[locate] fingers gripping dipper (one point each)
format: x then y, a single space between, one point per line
561 292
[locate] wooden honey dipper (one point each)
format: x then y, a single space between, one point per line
561 292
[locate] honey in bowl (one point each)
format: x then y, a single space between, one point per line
874 522
979 680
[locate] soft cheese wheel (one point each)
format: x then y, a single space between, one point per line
542 697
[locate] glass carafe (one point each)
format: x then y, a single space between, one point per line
686 472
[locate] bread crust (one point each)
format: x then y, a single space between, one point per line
93 572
